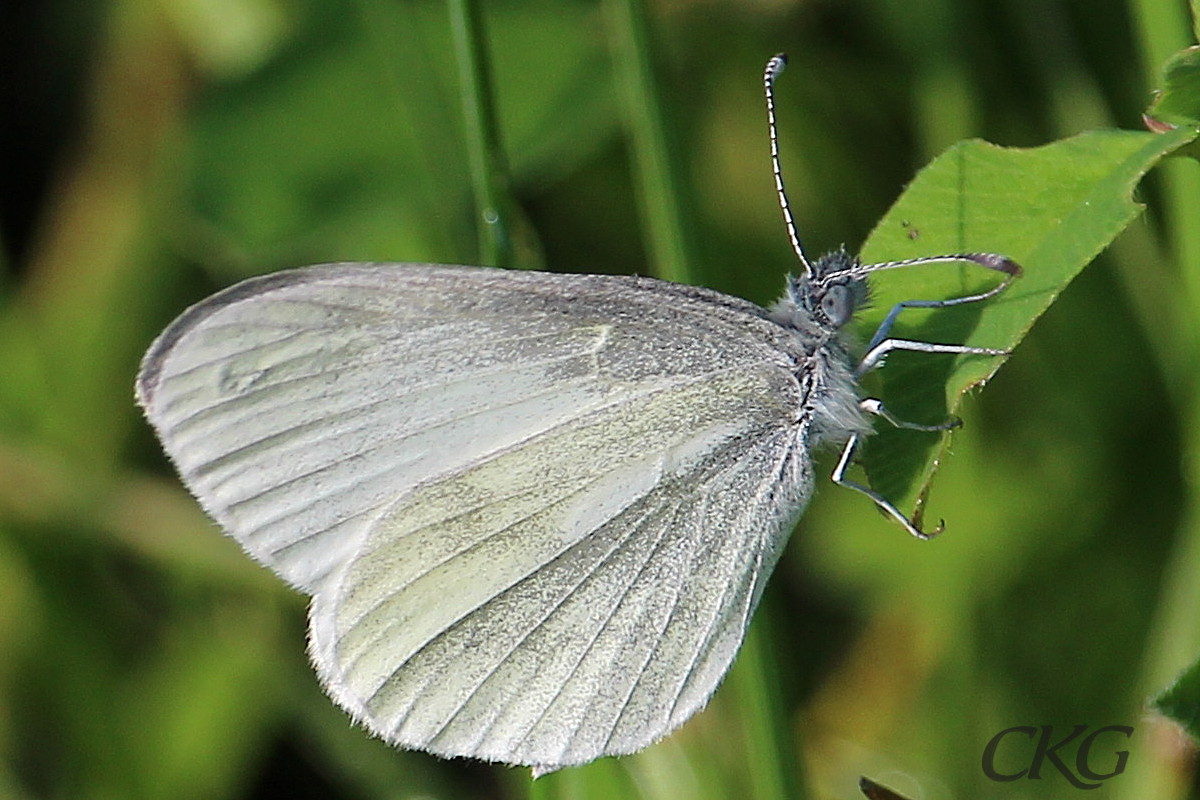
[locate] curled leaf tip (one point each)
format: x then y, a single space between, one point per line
1155 125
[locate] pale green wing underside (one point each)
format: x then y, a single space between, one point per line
534 511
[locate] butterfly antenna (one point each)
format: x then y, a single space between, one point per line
774 67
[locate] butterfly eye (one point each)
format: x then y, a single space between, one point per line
836 305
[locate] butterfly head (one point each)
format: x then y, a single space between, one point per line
827 295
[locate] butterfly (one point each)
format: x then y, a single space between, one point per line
534 512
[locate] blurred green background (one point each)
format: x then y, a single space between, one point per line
157 150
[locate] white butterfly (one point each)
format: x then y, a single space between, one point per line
534 511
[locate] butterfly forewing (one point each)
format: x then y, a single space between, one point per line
535 511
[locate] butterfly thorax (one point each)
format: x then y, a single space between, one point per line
818 306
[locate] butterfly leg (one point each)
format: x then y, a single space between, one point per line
875 355
873 405
881 343
885 327
885 505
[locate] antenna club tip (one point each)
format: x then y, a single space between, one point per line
998 262
776 64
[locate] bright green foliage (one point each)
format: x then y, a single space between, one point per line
1051 209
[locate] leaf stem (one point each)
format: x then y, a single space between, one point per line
489 174
655 169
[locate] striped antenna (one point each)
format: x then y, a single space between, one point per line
774 67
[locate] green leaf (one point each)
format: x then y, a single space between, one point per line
1178 102
1181 700
1052 209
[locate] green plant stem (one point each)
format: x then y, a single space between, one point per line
1174 639
772 769
484 156
654 166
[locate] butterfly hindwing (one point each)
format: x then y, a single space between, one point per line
560 614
